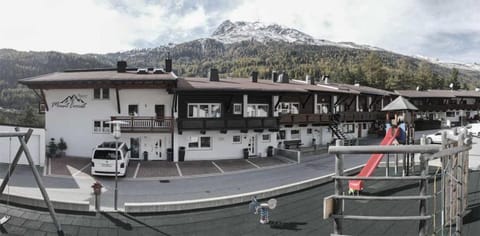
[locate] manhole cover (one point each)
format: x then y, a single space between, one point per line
164 181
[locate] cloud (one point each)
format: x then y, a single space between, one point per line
435 28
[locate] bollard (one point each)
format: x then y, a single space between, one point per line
97 191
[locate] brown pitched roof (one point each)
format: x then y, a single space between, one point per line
428 93
86 77
245 84
365 89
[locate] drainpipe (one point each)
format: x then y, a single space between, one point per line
174 104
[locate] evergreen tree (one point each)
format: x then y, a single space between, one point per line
375 74
424 76
454 79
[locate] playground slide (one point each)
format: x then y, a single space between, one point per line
372 163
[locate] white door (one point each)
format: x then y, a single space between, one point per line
252 145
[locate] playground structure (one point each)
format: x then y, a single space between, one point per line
399 130
448 201
23 138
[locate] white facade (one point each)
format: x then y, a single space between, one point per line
36 146
75 123
225 146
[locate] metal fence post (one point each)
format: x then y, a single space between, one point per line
459 176
338 209
422 230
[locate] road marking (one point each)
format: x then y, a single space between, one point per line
178 169
253 164
136 170
218 167
80 171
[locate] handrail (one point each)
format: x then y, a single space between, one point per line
371 149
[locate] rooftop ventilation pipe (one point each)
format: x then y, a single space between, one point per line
168 63
254 76
121 66
213 75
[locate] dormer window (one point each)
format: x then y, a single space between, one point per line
101 93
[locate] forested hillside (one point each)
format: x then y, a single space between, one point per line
377 68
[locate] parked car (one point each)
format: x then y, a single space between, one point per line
474 129
437 136
103 159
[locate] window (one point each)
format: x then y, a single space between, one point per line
289 107
257 110
101 126
237 109
101 93
364 125
323 108
309 131
202 142
294 134
237 139
348 128
204 110
281 135
450 114
133 110
266 137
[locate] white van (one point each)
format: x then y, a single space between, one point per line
474 129
103 159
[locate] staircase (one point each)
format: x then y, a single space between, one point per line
338 132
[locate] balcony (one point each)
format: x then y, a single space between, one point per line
445 107
291 119
145 124
227 123
351 116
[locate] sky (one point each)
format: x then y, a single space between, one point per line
441 29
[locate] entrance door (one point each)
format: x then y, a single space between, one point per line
135 148
160 149
252 145
160 110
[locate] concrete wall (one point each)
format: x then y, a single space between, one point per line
36 146
75 125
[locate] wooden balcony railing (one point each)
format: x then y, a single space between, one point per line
227 123
290 119
145 124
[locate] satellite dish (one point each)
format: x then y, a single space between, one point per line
418 88
451 85
272 203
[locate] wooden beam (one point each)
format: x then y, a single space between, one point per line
44 99
118 100
306 100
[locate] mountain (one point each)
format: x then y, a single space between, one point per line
237 48
234 32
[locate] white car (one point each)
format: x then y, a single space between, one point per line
474 129
437 136
103 159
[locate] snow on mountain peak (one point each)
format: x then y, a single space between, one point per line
232 32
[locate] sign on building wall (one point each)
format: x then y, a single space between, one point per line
72 101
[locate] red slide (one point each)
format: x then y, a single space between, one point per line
372 163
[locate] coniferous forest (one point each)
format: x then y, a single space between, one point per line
376 68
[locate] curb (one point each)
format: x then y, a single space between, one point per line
80 206
171 206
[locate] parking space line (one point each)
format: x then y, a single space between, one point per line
136 170
253 164
178 169
218 167
80 171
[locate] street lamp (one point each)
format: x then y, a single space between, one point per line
116 135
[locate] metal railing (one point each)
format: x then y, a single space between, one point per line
134 124
453 155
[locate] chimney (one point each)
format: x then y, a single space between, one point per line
168 63
325 79
283 78
121 66
274 76
254 76
310 80
213 75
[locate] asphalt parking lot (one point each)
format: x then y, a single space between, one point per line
80 166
